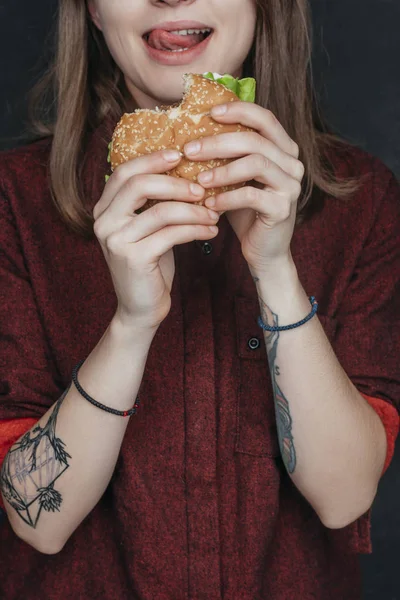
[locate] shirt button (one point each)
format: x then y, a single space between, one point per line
207 248
254 343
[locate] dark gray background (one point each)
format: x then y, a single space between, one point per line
357 72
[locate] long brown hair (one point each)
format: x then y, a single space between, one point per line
88 86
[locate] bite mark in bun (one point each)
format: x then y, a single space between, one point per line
145 131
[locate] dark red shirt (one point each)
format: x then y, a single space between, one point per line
200 505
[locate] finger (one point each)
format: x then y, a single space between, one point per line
254 167
271 207
156 162
135 193
233 145
167 214
150 249
262 120
139 188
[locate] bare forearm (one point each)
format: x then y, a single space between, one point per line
332 442
57 472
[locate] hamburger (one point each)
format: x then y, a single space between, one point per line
145 131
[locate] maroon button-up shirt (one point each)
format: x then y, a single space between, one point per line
200 505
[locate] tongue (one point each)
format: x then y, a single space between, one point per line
165 40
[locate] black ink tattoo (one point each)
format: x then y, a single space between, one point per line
283 418
31 468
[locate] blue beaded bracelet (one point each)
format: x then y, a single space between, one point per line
314 305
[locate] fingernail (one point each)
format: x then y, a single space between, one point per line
219 110
171 155
192 148
205 177
197 190
210 201
213 214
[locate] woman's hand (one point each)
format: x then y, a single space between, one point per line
262 217
138 247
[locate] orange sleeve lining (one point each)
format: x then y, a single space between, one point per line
391 423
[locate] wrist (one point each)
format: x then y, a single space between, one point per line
281 294
129 330
279 275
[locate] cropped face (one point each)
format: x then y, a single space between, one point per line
153 63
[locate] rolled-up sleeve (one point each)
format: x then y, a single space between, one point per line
367 341
27 373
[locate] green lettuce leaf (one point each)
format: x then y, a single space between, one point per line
107 177
245 89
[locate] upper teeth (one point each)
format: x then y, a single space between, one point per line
190 31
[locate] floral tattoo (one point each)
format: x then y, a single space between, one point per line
31 468
283 418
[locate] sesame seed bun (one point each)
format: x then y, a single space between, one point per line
145 131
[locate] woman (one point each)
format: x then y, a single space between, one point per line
245 472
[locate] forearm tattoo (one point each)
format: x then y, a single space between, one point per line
32 467
283 418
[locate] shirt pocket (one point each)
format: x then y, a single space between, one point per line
256 431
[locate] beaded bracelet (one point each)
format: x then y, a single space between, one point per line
114 411
314 305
